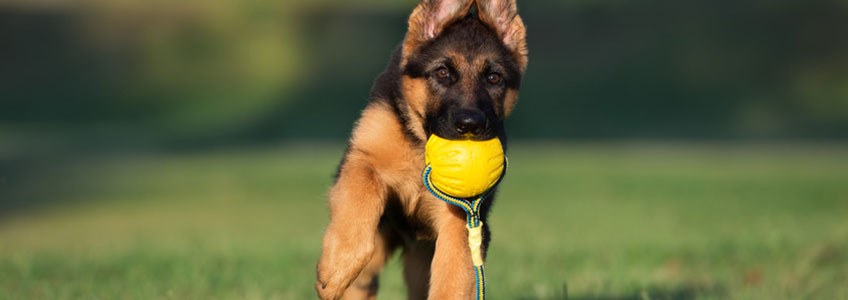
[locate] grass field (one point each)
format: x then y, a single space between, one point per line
596 221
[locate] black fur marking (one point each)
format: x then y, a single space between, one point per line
404 121
386 86
395 219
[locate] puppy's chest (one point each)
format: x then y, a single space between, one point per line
406 226
410 209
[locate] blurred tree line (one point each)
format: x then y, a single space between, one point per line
196 73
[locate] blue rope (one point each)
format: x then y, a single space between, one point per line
472 217
481 283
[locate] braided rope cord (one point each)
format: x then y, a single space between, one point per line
471 206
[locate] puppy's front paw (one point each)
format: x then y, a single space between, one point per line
326 292
341 261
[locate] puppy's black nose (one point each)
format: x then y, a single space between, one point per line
469 122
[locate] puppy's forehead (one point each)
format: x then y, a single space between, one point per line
469 42
465 61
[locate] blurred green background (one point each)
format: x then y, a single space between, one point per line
661 149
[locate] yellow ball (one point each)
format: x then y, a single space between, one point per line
465 168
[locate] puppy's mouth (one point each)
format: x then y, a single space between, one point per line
464 126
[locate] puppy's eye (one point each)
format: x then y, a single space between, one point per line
494 78
442 73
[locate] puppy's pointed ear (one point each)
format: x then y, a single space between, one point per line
502 16
429 19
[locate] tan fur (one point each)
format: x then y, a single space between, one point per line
415 93
510 100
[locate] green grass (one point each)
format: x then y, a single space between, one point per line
602 221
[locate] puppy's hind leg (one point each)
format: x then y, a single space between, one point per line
416 268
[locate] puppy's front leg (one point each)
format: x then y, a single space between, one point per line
356 203
452 275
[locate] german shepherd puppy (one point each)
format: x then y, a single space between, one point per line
456 75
